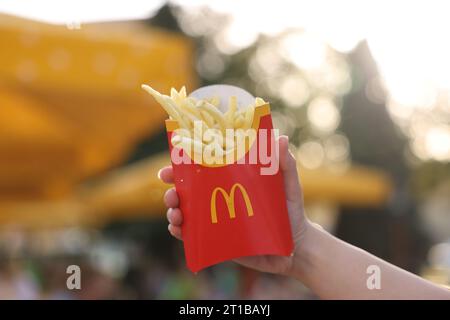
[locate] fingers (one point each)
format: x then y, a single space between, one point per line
175 231
166 174
288 166
171 198
175 217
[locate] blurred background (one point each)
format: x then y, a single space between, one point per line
362 89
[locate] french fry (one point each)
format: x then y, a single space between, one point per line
214 113
187 143
174 94
229 115
259 102
248 119
195 117
239 122
214 101
189 106
167 104
183 92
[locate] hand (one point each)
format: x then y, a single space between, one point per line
294 197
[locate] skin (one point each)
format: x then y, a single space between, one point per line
331 268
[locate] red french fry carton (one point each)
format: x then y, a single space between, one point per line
232 210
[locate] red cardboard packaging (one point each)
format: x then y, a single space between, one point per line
232 210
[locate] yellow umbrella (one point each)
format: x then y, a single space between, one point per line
71 103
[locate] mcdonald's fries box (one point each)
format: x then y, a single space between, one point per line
232 210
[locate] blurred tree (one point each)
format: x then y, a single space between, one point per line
165 19
391 232
374 138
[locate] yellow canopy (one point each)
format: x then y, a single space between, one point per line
71 103
135 191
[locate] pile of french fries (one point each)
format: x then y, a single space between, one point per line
204 131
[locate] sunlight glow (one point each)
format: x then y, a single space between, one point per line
408 40
72 11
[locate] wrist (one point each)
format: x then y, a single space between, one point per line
306 246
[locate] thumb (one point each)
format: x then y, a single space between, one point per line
288 167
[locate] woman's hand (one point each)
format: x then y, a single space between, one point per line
294 198
317 252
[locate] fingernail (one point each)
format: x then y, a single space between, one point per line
283 136
159 174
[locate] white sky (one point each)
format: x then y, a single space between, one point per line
67 11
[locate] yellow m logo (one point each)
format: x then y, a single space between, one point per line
229 200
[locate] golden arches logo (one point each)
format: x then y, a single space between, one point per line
229 200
